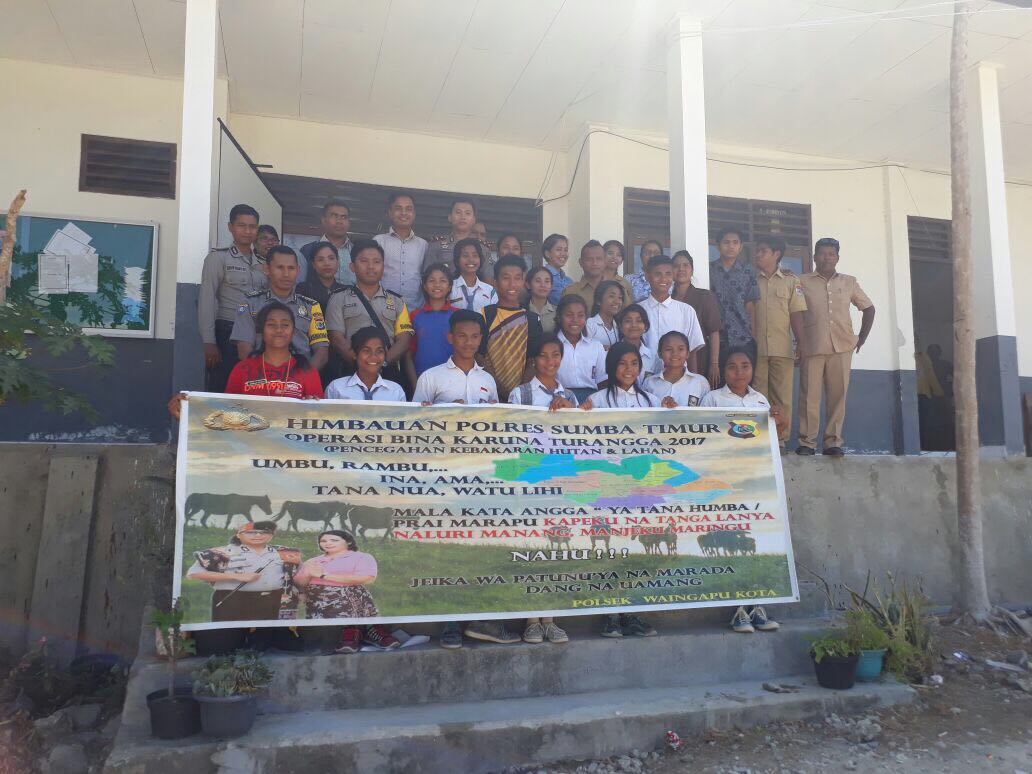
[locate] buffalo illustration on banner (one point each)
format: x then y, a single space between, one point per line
341 512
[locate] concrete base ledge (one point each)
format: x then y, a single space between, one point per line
488 736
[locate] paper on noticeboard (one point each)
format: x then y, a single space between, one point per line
68 264
52 272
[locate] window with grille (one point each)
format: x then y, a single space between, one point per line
114 165
303 199
647 216
929 239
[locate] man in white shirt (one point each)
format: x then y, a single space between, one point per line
460 379
666 314
403 251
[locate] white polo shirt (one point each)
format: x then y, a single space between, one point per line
689 390
583 365
539 394
650 362
472 298
447 383
353 388
671 315
724 398
624 399
597 330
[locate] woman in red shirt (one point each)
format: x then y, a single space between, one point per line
273 369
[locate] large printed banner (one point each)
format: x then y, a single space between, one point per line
326 512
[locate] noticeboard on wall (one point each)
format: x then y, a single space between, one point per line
96 274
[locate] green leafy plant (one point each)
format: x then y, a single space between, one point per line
168 624
832 642
864 631
902 613
239 674
26 330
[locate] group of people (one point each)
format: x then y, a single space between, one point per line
397 318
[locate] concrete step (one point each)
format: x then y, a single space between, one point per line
488 736
685 653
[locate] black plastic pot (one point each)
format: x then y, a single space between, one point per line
174 718
836 672
226 717
219 642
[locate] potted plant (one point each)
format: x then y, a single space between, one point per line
226 686
834 659
864 632
174 712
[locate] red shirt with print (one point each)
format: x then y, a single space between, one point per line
254 376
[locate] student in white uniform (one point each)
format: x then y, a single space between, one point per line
370 346
666 314
460 379
609 300
676 380
736 393
545 389
583 369
623 367
468 290
633 323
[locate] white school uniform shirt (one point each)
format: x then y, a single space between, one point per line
353 388
595 329
724 398
671 315
472 298
689 390
624 399
447 383
650 363
583 365
540 395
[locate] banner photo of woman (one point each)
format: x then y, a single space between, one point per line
344 512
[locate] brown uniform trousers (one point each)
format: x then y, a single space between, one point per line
830 342
780 296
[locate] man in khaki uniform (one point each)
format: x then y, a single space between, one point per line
593 264
828 346
779 316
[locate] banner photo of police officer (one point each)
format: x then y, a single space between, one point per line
341 512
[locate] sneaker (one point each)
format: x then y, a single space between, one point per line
636 627
491 631
534 634
805 451
741 623
350 640
611 627
555 634
834 451
451 635
758 618
381 637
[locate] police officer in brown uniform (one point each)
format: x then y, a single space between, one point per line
828 346
463 220
228 275
779 316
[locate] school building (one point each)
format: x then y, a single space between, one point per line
598 119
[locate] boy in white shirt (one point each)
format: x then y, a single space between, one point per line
583 369
667 314
370 347
468 290
460 379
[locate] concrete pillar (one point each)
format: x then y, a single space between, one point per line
197 153
686 125
999 393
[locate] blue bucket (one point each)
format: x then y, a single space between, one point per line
870 666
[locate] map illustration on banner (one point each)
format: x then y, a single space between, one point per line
320 512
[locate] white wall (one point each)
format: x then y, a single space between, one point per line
48 109
236 184
1019 213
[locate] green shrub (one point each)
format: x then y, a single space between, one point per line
832 642
240 674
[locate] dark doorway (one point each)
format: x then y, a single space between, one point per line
931 283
